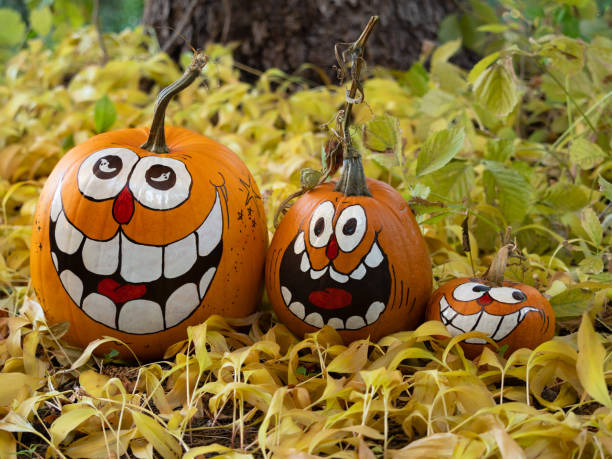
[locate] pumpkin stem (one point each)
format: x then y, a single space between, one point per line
495 272
352 181
156 142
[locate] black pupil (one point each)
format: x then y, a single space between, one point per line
160 177
481 288
350 226
107 167
319 226
519 296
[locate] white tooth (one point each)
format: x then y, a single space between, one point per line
141 316
508 323
375 257
305 264
449 313
54 258
67 237
101 257
298 309
466 322
317 274
100 308
374 312
443 305
338 277
336 323
206 280
56 204
359 272
476 341
355 323
452 330
140 263
523 312
73 285
315 319
180 256
286 295
488 322
181 303
299 245
210 232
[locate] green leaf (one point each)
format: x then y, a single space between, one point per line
417 79
571 302
453 181
493 28
117 15
592 226
41 20
309 178
605 187
444 52
481 65
499 150
496 90
104 114
439 148
566 197
382 134
449 29
509 188
13 29
565 54
586 154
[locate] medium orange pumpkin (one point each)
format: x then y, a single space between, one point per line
514 315
356 263
349 254
139 242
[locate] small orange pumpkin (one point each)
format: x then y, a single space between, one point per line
514 315
349 254
140 241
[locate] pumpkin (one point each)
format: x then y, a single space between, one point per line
140 241
349 254
512 314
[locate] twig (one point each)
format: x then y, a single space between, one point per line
95 19
180 26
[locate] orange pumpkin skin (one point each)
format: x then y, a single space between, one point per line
152 243
514 315
381 278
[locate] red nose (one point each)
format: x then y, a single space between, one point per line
123 207
332 248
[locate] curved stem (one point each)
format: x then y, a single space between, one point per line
156 142
352 181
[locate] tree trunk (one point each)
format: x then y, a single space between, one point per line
287 34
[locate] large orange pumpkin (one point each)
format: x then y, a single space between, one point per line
349 254
356 263
514 315
138 242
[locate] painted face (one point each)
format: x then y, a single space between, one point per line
340 265
119 282
513 314
139 243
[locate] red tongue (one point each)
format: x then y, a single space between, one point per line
485 299
331 298
121 293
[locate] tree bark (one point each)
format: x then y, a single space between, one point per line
287 34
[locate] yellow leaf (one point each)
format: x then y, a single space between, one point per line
69 421
101 444
11 384
8 445
93 382
156 434
352 359
589 366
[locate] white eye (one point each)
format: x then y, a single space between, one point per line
321 224
350 227
160 183
470 291
104 173
507 295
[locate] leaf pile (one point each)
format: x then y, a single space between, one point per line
529 151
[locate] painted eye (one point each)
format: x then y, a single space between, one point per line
160 183
507 295
321 224
350 227
470 291
104 173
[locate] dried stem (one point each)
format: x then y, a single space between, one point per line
156 141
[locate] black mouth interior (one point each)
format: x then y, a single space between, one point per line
158 290
374 286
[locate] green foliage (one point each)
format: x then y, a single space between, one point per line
105 114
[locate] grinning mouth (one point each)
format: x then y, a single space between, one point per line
343 301
496 326
131 287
